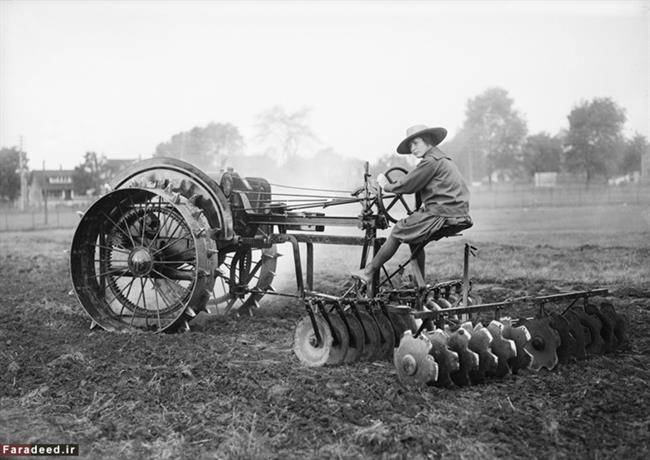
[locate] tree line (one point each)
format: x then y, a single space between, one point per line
493 144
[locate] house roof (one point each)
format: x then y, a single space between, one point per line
48 179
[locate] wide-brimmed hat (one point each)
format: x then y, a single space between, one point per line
437 135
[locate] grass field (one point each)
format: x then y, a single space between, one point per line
232 388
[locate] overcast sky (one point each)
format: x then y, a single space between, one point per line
120 77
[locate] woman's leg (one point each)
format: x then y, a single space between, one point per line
420 258
387 250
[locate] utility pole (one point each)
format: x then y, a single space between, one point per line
44 191
22 170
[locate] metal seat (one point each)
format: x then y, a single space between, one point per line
452 227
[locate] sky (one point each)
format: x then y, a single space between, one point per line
121 77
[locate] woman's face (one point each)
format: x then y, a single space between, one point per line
418 147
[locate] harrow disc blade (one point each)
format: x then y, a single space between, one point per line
305 344
543 343
387 335
619 323
447 360
341 340
610 341
414 364
357 339
568 344
520 336
444 303
479 343
592 325
577 330
503 348
468 360
402 321
474 299
372 344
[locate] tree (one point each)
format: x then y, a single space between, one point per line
542 153
462 150
10 173
208 147
494 132
635 148
284 133
594 140
91 175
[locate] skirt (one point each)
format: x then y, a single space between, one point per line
417 227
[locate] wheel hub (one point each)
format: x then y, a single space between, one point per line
409 365
140 261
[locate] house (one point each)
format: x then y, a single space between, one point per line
55 184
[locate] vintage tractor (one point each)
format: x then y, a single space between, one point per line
169 241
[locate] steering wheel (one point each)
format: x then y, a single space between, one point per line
392 175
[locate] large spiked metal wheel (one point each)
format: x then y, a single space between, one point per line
239 272
141 259
403 204
184 178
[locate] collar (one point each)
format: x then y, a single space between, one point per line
435 153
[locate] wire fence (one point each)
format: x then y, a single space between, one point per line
11 220
526 196
502 196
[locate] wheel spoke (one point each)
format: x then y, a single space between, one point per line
137 305
222 298
113 270
171 280
127 234
229 306
130 285
122 213
252 273
155 294
112 248
176 262
144 301
406 206
168 302
169 243
162 223
392 203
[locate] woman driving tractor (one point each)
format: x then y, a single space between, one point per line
443 192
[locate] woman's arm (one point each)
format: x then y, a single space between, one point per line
415 180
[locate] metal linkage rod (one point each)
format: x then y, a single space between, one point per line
508 303
304 195
310 188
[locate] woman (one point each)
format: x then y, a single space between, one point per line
443 191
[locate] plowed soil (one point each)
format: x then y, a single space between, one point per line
232 388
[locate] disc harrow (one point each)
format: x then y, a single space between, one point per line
469 354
